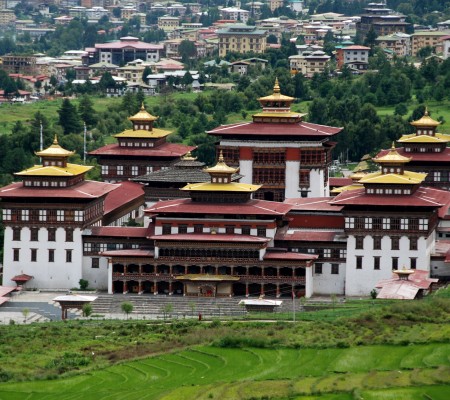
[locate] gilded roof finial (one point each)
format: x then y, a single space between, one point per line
276 87
393 146
142 106
426 111
221 160
55 140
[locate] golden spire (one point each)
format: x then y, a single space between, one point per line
276 87
55 150
426 111
221 167
189 156
143 115
392 157
426 121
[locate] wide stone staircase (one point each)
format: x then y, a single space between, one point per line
161 306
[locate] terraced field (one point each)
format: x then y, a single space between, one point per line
373 372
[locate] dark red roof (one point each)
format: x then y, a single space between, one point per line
432 157
275 255
251 207
308 236
208 237
82 190
22 278
119 231
127 192
423 197
274 129
312 204
164 150
338 182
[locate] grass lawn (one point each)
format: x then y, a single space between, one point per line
207 372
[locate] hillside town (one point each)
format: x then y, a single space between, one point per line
148 46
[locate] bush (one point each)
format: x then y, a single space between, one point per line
83 284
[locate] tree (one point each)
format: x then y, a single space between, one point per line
167 309
107 81
371 37
127 307
69 118
187 79
25 313
86 111
83 284
147 71
187 50
87 310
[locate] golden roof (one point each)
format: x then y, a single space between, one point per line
55 150
407 178
341 189
413 138
142 133
392 157
357 176
288 114
425 121
221 167
143 115
69 170
221 187
276 96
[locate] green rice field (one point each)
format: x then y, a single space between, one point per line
206 372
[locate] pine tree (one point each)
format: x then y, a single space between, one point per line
69 118
86 111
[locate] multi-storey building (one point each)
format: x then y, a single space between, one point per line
446 46
390 223
423 39
354 56
234 13
139 151
218 242
427 151
309 64
399 43
288 156
123 51
382 20
241 38
19 64
46 214
168 23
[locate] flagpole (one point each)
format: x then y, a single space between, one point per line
41 135
84 136
293 305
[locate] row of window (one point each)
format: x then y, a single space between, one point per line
34 255
395 243
99 247
229 229
377 262
318 269
394 223
137 144
416 149
127 170
37 183
43 215
387 191
324 253
34 234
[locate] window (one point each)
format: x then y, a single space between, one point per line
34 234
134 170
120 170
59 215
413 243
246 229
377 242
386 223
395 223
404 223
95 263
335 269
33 257
395 243
261 231
16 254
51 234
376 263
182 228
198 228
359 223
16 234
69 235
304 177
79 216
359 262
68 256
343 253
368 223
25 215
166 229
51 255
229 229
105 169
350 222
394 262
423 224
359 242
318 268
